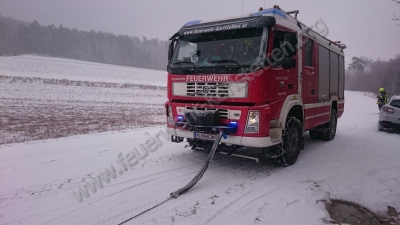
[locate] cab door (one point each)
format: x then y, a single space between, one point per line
283 82
309 81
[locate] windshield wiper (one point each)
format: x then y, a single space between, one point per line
194 65
226 61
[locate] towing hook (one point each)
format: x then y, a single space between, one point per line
176 139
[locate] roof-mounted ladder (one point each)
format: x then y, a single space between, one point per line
295 13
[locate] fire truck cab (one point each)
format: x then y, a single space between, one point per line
264 78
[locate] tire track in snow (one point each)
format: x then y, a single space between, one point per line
140 208
80 210
183 200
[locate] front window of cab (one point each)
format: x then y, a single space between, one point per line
233 51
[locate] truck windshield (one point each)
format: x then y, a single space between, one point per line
235 50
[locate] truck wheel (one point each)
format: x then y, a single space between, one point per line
331 132
292 141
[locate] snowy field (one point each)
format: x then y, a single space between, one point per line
38 178
43 97
59 68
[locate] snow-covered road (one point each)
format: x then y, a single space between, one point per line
361 165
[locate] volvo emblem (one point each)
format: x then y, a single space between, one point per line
205 89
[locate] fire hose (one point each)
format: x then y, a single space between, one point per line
191 184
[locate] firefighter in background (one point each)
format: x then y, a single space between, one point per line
382 98
211 55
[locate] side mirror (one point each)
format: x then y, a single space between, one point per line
288 63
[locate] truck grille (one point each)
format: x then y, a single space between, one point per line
223 113
208 89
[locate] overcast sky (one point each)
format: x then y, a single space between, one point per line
365 26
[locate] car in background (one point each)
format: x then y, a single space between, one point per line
389 116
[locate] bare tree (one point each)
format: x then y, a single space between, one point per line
364 74
395 18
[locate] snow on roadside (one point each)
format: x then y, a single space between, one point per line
361 165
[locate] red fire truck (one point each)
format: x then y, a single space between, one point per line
264 78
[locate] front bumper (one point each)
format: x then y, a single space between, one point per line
257 142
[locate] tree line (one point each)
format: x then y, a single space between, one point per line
17 37
364 74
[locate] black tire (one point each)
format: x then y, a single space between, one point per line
292 140
332 124
314 135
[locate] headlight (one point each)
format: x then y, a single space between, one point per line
254 118
253 122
